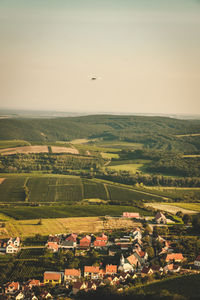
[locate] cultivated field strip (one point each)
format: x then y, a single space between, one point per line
68 190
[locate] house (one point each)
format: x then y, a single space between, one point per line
146 271
92 285
33 282
19 296
85 242
46 295
52 277
111 269
72 274
171 268
136 234
68 244
131 215
128 264
197 261
142 254
177 257
93 272
160 218
54 239
14 241
103 237
72 237
52 246
78 286
99 244
11 248
12 287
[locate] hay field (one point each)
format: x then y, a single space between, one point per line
27 228
24 150
171 208
57 149
189 206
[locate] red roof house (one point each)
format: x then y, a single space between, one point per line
131 215
85 242
72 274
111 269
178 257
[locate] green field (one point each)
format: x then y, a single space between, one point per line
190 206
94 190
132 196
66 190
132 168
13 143
109 155
12 190
66 211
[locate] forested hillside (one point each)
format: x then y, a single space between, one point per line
153 132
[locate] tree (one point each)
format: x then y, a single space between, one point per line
186 219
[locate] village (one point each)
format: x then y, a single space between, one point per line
119 259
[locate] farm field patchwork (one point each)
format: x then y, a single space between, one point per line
37 188
25 149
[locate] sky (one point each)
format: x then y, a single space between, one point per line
145 55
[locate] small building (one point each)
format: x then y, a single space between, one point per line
68 244
197 262
146 271
160 218
111 269
99 244
11 249
177 257
52 277
52 246
14 241
72 274
131 215
85 242
93 272
12 287
79 286
171 268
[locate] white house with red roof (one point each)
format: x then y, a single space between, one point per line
111 269
85 242
52 246
93 272
12 287
11 249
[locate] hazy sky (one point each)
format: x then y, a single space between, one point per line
147 53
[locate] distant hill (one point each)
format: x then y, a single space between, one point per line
150 131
